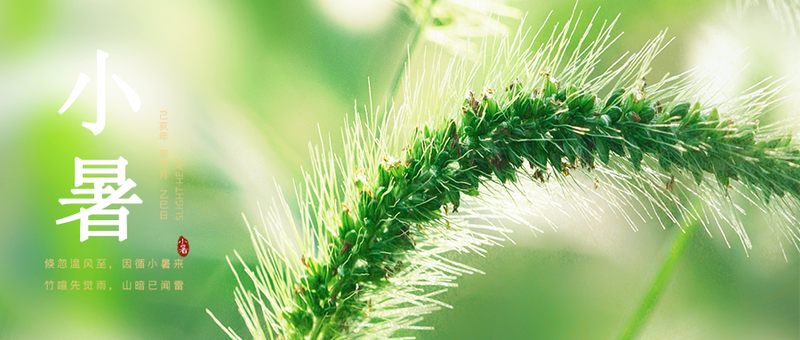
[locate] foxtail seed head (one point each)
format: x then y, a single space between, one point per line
371 254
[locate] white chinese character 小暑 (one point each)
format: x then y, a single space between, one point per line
83 79
100 174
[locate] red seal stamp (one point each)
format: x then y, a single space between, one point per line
183 246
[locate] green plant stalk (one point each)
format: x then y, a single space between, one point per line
315 332
553 129
419 28
658 286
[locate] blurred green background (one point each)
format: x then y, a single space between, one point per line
248 85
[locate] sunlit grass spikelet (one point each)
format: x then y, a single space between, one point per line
458 24
376 224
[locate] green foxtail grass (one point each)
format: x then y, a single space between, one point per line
528 119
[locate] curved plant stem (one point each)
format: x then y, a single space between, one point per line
316 331
419 28
648 303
